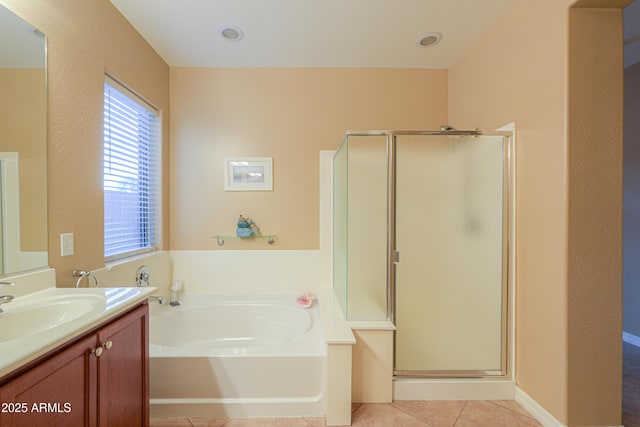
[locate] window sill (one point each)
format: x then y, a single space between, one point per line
110 264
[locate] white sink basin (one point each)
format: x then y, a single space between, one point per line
35 323
19 320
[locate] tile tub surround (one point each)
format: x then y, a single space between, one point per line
452 413
247 272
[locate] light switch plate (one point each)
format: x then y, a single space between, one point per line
66 244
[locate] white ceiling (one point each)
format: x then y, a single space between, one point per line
300 33
310 33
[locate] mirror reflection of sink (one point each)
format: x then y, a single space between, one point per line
21 319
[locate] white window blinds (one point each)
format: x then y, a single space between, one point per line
131 171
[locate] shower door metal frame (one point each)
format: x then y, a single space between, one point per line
393 256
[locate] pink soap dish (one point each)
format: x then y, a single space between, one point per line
305 300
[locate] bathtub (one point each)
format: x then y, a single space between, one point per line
225 356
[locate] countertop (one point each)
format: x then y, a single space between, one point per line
106 303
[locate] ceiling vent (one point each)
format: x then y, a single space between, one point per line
429 39
231 33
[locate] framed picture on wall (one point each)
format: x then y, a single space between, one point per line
248 174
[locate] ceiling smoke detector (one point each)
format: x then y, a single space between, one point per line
231 33
429 39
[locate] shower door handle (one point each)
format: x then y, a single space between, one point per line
396 257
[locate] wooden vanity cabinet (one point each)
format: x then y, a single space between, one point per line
100 379
68 378
123 371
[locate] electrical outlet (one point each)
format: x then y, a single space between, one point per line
66 244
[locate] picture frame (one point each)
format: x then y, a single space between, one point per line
248 174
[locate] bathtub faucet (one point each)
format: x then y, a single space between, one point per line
156 298
142 276
6 298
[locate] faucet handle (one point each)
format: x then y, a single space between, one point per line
142 276
7 284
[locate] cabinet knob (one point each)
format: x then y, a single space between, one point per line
97 351
108 345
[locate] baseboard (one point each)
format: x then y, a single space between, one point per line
537 411
631 339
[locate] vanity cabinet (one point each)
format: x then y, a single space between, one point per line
123 371
99 379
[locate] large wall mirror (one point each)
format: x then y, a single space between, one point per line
23 145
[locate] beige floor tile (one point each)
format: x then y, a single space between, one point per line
382 415
267 422
209 422
316 421
169 422
440 413
484 413
513 405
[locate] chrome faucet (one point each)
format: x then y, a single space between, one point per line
142 276
6 298
156 298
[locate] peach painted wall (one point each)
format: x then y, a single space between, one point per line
522 79
594 274
84 39
522 74
288 114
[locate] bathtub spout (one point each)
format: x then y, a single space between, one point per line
156 298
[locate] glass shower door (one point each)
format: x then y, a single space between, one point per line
450 235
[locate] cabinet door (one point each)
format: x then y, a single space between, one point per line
61 391
123 371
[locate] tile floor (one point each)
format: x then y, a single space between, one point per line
458 413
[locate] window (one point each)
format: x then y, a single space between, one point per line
131 170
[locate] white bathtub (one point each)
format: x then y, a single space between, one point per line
236 357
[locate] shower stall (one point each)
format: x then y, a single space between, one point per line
421 238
